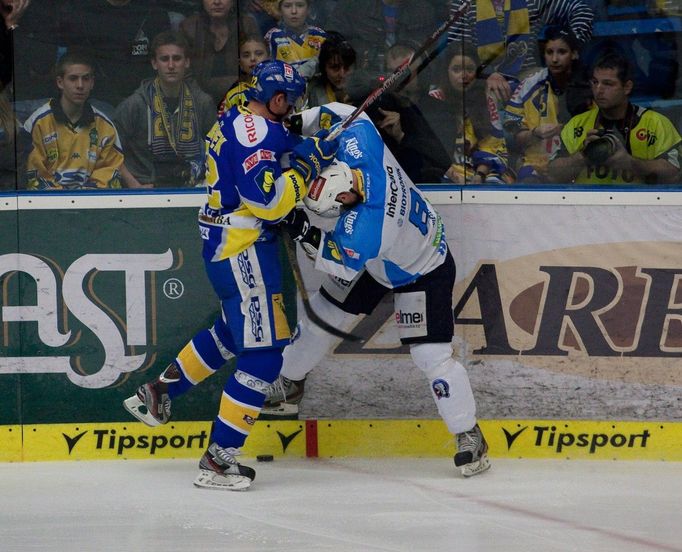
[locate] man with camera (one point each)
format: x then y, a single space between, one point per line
616 142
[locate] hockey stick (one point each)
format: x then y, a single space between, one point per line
411 66
290 248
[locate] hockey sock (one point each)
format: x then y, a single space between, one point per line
450 385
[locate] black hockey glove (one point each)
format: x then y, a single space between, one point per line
297 225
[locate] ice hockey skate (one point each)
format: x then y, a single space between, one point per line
472 452
219 469
282 398
151 404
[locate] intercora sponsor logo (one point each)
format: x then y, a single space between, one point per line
120 442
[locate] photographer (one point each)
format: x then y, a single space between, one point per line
163 124
616 142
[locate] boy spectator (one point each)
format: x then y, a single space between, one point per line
616 142
164 123
75 146
294 40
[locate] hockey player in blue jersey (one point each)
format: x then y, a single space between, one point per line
249 191
388 237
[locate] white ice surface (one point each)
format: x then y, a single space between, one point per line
343 505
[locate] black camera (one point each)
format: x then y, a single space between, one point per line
603 147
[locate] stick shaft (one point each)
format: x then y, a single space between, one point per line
290 248
413 65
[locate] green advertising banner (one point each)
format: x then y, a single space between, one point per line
99 293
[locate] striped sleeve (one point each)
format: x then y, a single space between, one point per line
575 14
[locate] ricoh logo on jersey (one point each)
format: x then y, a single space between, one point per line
120 443
353 149
59 299
250 130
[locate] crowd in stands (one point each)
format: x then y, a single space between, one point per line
120 93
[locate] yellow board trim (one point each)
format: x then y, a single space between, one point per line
561 439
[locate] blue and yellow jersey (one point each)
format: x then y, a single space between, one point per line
247 187
299 50
236 95
650 136
72 156
535 103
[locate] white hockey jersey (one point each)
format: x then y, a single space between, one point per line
395 233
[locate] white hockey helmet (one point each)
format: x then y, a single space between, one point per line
321 197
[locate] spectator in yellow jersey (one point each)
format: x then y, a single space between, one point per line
544 102
617 142
294 40
252 50
75 146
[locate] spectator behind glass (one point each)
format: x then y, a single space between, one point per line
460 114
294 41
337 59
75 145
617 142
264 12
404 129
164 123
15 144
252 50
505 37
213 35
118 33
544 102
373 26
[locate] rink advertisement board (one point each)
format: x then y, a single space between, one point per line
563 311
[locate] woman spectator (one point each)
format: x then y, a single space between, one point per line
459 112
337 59
213 35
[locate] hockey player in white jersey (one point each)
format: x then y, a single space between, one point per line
387 238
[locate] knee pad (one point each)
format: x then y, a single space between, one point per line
313 343
430 357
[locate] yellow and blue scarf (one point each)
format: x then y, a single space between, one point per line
507 41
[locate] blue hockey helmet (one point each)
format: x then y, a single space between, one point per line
272 77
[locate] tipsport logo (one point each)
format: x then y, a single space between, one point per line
563 441
63 296
119 443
